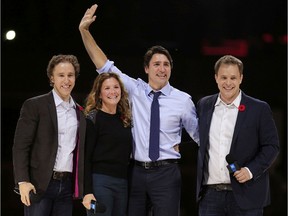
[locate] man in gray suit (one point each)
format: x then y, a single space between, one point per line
48 145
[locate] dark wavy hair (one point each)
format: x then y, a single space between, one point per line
156 50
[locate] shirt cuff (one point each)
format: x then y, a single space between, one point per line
19 183
250 174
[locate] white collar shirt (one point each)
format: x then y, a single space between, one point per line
67 133
220 138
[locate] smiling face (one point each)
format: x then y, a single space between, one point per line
63 78
228 80
159 71
110 94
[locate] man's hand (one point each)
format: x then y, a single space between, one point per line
87 200
242 175
88 18
24 189
176 148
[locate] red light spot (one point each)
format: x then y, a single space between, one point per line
232 47
267 38
283 39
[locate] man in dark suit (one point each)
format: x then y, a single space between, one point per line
239 129
48 145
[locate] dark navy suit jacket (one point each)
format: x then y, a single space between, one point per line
255 145
36 143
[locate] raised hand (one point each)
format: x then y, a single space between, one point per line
88 18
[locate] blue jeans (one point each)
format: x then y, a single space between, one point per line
111 192
223 203
56 201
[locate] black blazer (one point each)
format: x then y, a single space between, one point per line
36 142
255 145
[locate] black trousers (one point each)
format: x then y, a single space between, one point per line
157 188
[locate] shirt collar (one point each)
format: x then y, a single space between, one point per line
165 90
235 103
59 101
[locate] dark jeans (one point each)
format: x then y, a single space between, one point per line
223 203
56 201
159 188
111 192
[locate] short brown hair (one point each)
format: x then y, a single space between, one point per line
57 59
156 50
228 59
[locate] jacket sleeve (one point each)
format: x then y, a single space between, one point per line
24 136
268 143
90 141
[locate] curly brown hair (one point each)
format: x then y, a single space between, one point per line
94 102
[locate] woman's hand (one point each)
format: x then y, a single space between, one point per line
87 200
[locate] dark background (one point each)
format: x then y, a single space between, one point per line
196 32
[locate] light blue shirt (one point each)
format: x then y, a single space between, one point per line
177 110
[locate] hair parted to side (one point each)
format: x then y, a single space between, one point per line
93 100
57 59
156 50
229 60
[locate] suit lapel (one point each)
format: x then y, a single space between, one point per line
52 110
240 120
209 108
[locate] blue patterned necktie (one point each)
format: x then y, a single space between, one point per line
154 128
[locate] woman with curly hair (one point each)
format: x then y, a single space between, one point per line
108 145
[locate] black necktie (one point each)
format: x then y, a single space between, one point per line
154 128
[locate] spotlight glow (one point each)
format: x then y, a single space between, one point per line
10 35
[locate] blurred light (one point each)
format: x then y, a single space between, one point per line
10 35
283 39
232 47
267 38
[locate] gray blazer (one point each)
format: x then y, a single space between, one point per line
36 142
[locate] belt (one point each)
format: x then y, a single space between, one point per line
153 164
61 175
220 187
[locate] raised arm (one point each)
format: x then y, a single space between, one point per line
96 54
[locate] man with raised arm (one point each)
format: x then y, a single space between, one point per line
158 180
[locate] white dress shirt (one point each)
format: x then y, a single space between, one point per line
67 133
220 138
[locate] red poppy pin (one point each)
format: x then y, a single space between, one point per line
80 107
241 108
